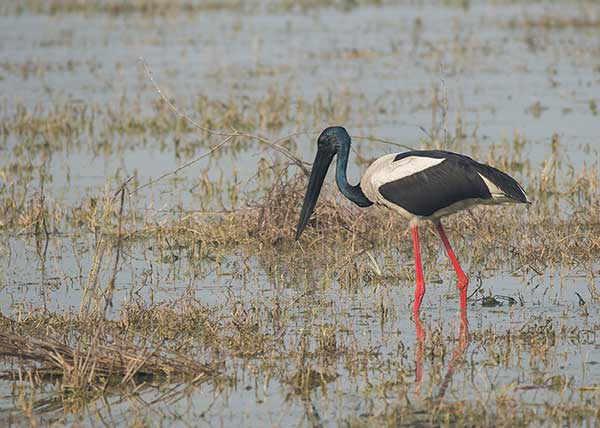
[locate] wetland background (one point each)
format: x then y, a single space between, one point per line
148 273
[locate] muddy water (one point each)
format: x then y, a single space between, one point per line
501 71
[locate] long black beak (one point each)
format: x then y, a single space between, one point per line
317 175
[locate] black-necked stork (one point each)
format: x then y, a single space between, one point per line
419 185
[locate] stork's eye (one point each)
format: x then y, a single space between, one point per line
323 142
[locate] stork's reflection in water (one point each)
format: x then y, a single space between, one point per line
457 355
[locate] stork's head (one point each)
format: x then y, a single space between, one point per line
332 139
329 143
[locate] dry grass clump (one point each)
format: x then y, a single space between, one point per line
63 365
97 362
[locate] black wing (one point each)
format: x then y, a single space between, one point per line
453 180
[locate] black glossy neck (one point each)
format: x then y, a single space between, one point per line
354 193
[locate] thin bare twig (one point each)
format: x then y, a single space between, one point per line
380 140
190 163
228 135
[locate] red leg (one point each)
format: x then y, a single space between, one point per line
463 281
420 289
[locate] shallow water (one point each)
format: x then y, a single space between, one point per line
501 75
